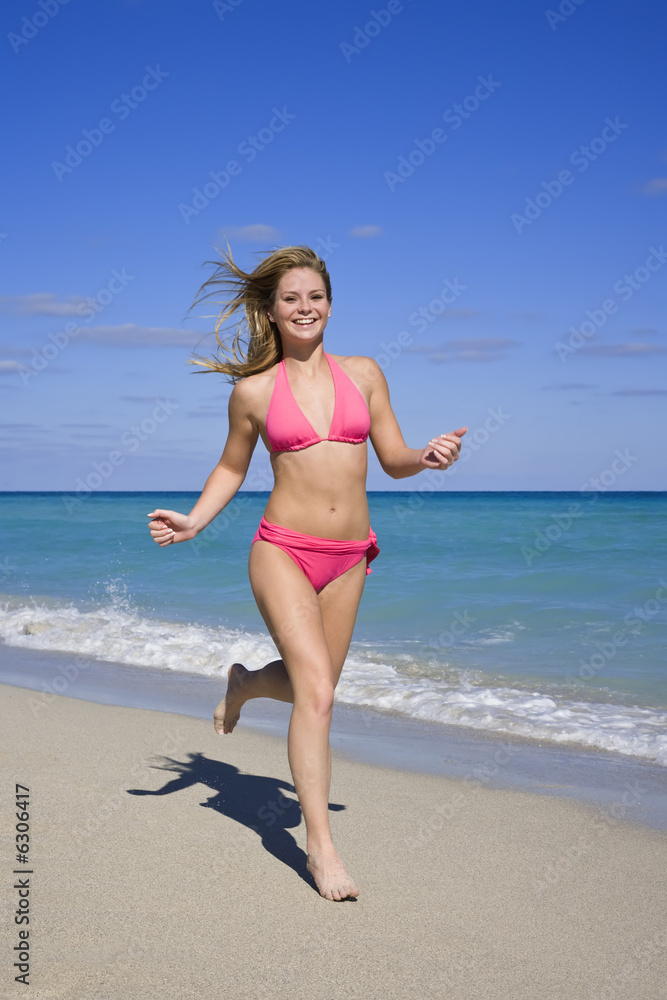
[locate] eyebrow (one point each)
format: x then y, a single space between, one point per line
322 290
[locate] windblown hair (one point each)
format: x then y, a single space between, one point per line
256 345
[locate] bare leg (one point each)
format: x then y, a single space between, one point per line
338 604
302 625
272 681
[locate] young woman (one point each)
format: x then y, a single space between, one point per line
309 558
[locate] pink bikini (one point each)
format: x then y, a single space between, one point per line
320 559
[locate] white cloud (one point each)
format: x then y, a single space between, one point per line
622 350
131 335
42 304
639 392
365 232
471 349
8 367
570 385
526 316
657 185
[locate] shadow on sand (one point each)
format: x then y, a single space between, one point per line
256 802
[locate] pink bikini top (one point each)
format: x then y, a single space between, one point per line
287 428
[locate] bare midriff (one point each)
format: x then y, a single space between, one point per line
321 490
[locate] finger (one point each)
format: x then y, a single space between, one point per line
444 448
444 459
449 437
448 446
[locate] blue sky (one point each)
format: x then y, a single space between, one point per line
487 183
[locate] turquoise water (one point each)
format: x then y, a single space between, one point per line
541 614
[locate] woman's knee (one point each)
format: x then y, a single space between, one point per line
315 696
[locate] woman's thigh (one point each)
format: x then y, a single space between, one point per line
291 610
339 602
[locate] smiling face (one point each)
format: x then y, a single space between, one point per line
301 308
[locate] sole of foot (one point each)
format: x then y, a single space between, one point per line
228 711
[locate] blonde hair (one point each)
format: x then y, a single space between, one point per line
256 345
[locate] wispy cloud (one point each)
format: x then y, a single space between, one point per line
622 350
639 392
459 313
142 399
257 233
656 186
479 349
42 304
365 232
21 427
9 367
644 333
526 315
570 385
131 335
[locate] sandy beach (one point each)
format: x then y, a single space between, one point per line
168 861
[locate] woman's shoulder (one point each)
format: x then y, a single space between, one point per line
360 367
253 388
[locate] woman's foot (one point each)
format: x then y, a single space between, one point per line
228 711
331 876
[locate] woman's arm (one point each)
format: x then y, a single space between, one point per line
396 459
224 482
228 475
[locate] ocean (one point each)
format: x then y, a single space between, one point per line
540 615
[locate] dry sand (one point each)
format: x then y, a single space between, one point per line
465 891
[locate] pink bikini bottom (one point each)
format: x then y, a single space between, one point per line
321 559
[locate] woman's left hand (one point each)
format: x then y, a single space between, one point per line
443 451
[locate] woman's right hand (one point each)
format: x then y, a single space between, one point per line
169 526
